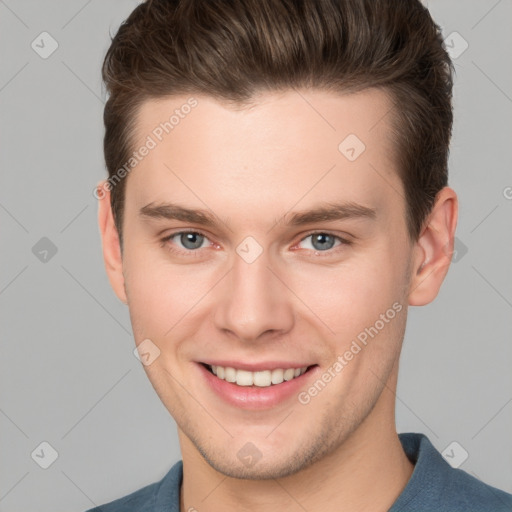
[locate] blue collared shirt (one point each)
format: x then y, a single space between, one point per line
433 487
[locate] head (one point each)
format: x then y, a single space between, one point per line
303 146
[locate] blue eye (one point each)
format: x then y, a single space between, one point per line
187 243
190 240
321 241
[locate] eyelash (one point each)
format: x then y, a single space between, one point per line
196 252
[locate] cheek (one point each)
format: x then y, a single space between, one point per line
353 295
161 294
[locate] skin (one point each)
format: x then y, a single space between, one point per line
297 301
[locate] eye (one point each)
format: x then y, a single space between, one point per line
189 240
322 241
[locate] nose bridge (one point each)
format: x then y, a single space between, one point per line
253 299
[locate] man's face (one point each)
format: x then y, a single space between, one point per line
255 290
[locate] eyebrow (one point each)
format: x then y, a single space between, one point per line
324 213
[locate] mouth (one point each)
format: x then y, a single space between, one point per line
255 386
257 379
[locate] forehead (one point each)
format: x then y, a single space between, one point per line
271 117
285 148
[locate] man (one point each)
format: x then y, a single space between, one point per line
277 198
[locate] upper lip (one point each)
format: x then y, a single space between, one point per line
255 367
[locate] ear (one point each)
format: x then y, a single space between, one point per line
110 241
434 249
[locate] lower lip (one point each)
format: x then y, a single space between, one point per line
254 397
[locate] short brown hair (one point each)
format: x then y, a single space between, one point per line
232 50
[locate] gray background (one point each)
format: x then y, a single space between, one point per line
68 373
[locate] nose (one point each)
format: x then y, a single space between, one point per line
254 301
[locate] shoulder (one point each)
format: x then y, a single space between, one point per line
163 495
437 486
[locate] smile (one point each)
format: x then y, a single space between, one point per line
264 378
255 385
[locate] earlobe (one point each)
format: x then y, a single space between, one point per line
110 242
434 249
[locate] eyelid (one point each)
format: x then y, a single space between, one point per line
346 240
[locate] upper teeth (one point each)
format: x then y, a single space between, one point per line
262 379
